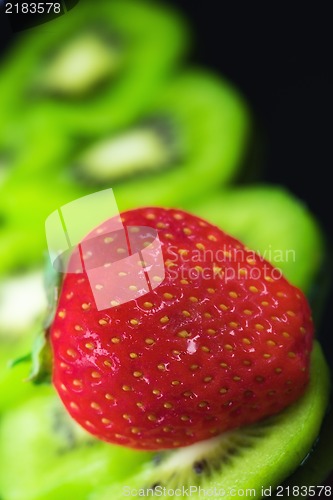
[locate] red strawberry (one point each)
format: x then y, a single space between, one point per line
223 341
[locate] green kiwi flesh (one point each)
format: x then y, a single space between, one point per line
55 459
13 390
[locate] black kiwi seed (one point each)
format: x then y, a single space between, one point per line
164 126
157 459
199 466
155 485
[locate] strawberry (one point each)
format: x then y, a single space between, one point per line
223 340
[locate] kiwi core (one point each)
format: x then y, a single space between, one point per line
142 149
82 64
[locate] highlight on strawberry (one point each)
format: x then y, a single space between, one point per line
223 341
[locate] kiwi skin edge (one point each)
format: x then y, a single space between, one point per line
282 443
317 467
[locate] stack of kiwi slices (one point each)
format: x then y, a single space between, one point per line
101 98
196 124
97 99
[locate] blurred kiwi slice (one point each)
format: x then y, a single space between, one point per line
95 67
192 138
53 457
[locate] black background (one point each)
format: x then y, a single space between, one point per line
279 56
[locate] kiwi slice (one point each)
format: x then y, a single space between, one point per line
95 67
52 456
56 458
246 459
190 140
273 222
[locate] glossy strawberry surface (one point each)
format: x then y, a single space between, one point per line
222 341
